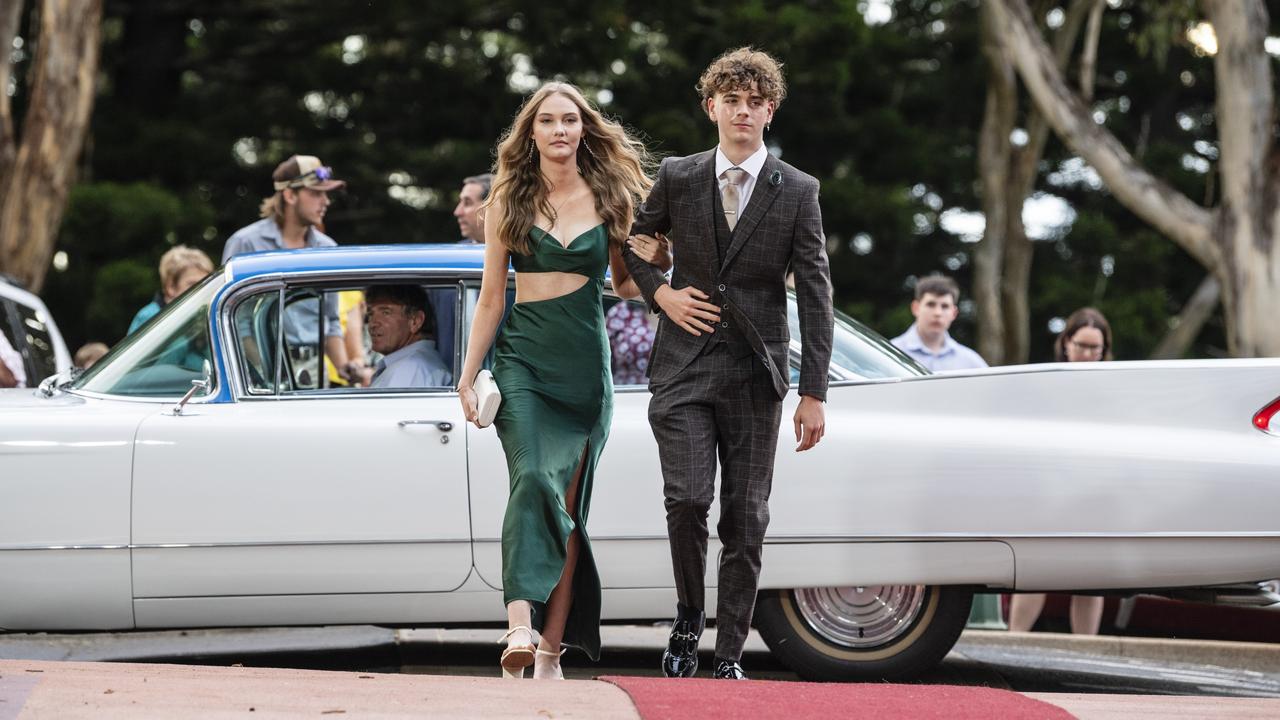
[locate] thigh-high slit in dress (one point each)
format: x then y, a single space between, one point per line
551 362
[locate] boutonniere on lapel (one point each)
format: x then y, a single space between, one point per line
776 178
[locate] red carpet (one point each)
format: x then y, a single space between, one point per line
705 699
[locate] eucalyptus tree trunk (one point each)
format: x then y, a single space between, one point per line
995 152
38 168
1234 241
1002 263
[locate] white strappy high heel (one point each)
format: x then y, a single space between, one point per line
547 653
516 657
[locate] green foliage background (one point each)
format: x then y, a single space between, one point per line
200 99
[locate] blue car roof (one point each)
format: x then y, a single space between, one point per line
454 256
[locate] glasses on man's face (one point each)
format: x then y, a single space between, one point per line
1087 348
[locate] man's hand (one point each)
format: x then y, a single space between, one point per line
688 308
810 422
654 250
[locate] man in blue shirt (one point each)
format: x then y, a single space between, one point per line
928 340
401 327
291 220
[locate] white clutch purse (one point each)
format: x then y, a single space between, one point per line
488 398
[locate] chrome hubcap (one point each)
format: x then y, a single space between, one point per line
860 617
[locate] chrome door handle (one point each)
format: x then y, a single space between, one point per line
441 425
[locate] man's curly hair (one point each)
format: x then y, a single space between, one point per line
739 70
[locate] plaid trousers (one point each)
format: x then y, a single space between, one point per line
721 406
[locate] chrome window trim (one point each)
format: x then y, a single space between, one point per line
235 294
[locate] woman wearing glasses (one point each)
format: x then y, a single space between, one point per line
1086 337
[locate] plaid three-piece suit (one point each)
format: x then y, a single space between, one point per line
719 396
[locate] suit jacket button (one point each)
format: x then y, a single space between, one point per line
721 287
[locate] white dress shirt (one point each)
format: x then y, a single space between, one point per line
753 165
415 365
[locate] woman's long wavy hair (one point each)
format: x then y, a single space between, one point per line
615 165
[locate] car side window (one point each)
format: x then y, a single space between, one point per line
288 353
14 372
41 358
630 328
303 354
283 357
257 321
160 364
471 295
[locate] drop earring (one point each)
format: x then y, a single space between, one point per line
531 151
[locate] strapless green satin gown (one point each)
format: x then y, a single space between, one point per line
552 363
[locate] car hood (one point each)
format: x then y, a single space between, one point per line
27 398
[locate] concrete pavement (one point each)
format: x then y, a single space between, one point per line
30 690
33 689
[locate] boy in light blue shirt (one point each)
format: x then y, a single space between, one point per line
928 341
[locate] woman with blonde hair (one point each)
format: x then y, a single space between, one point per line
567 183
180 268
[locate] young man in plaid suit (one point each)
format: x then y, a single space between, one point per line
739 220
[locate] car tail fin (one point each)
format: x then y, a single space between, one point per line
1265 419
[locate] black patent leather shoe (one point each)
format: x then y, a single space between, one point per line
681 656
728 670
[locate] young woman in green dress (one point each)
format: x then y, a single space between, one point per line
567 183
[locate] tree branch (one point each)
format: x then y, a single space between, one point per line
1037 128
1089 55
1170 212
1186 327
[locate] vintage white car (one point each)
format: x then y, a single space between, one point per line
260 495
29 329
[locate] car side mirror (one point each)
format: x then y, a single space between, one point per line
52 384
203 384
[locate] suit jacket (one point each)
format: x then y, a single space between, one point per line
780 230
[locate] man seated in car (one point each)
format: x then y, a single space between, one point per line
401 327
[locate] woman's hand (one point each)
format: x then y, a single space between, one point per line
654 250
470 403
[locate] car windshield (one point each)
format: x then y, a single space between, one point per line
165 355
861 351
